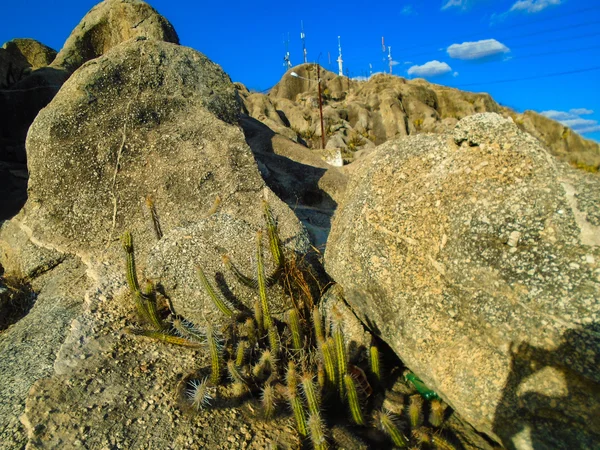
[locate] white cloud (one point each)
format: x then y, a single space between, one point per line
430 69
455 74
394 63
581 111
533 6
478 49
573 120
408 10
454 3
407 62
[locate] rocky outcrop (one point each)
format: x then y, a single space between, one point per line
108 24
34 53
474 255
147 118
560 140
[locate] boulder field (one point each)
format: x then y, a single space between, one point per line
454 232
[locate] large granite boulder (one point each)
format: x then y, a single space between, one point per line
108 24
475 256
34 53
147 118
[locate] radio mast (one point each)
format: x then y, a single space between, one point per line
287 63
340 60
390 58
303 38
383 52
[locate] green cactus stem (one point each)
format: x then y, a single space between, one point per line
436 413
374 361
318 324
353 401
164 337
294 324
274 340
415 411
387 425
247 281
262 283
329 360
240 356
217 300
274 242
316 429
132 281
148 300
341 356
311 394
268 400
215 355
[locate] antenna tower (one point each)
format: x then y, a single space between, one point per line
303 38
287 63
390 58
340 60
383 52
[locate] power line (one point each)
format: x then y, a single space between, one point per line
535 77
539 20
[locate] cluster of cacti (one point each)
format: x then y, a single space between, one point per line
299 361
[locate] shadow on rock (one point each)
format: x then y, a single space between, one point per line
528 418
296 183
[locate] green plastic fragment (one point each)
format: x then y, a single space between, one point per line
418 384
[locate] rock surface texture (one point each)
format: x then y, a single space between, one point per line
108 24
147 118
475 256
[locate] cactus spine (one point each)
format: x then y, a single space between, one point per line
295 402
268 400
317 432
217 300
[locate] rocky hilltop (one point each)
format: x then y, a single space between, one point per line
439 233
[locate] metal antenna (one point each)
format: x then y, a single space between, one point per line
390 58
287 63
329 60
340 60
303 38
383 51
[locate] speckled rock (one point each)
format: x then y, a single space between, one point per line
475 256
33 52
147 118
108 24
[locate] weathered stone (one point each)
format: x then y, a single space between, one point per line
506 334
108 24
33 52
144 119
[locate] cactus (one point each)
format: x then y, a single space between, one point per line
415 411
234 374
274 243
250 282
262 284
353 401
148 300
199 393
217 300
311 394
215 355
374 360
329 360
188 330
273 339
386 423
240 354
132 281
267 400
436 413
318 325
316 430
294 400
294 324
163 336
341 356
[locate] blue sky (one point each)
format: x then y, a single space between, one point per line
504 47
